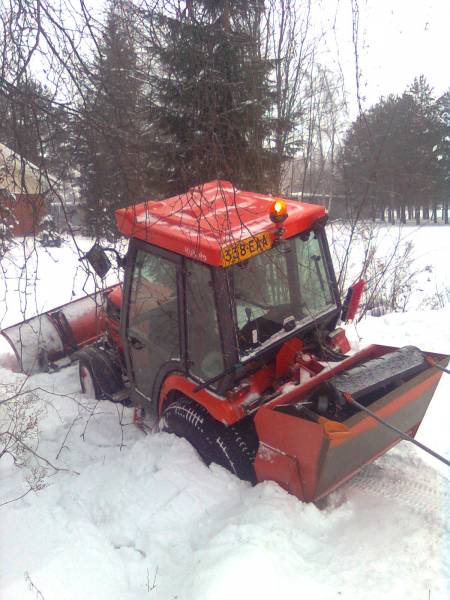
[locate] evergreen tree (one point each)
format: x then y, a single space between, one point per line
213 98
108 136
7 221
31 123
442 149
388 159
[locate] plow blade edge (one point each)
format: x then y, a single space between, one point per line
52 335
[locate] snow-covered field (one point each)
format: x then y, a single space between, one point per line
131 516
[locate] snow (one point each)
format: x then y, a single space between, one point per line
53 276
136 516
429 250
429 330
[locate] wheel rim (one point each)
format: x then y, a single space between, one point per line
87 382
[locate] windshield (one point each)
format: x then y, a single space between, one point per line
280 290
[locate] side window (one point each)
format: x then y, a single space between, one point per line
153 316
314 285
204 347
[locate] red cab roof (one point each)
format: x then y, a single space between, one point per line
208 218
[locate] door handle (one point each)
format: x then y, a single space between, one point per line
137 344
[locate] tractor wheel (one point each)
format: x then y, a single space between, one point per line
99 376
214 441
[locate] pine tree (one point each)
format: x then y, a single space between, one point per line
31 122
388 159
108 137
425 133
7 221
442 149
213 98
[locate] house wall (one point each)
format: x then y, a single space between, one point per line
28 210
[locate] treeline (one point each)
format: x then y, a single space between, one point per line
149 97
152 97
395 159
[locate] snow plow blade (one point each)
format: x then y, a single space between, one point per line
312 439
30 345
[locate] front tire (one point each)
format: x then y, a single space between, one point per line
214 441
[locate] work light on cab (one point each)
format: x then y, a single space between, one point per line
278 211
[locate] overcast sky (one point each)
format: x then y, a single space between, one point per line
398 40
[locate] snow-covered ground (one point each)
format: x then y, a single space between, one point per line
34 279
131 516
415 260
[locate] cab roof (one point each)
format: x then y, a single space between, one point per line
209 217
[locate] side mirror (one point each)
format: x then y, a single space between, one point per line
352 300
98 260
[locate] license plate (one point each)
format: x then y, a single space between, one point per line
244 249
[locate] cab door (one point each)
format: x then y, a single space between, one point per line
152 328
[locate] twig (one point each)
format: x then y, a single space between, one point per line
18 497
33 587
150 588
34 453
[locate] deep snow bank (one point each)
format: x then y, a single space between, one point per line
139 516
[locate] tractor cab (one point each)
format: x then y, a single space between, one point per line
216 283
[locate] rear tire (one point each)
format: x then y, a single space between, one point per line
99 376
214 441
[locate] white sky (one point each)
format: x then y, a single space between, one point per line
398 40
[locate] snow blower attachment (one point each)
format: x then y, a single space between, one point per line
226 333
312 441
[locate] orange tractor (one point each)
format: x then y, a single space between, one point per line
225 332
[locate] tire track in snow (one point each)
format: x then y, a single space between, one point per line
419 488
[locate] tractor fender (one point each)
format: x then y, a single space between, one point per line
220 408
104 370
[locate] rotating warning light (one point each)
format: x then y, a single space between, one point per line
278 211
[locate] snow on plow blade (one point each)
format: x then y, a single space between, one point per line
52 335
312 439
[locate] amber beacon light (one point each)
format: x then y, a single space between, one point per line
278 211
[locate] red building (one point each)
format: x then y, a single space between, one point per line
25 210
23 192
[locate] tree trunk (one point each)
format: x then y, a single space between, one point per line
403 215
390 215
445 211
434 213
382 215
417 216
426 213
